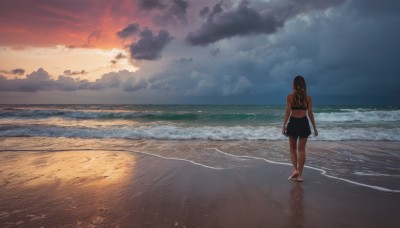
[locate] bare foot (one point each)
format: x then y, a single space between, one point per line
294 175
299 179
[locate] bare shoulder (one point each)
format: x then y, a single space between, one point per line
289 98
309 100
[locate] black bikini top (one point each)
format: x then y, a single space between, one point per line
298 108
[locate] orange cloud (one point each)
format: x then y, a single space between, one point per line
78 23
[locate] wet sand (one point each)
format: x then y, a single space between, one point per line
125 189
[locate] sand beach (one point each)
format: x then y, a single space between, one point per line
125 189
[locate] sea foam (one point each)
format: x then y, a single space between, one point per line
360 116
207 132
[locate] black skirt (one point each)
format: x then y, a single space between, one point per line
298 127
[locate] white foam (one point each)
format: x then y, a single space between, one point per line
352 115
154 131
322 171
177 159
375 174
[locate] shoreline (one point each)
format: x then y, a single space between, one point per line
125 189
364 163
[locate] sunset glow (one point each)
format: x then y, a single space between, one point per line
86 63
198 51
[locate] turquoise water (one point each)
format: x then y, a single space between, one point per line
217 122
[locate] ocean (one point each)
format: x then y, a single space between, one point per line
356 144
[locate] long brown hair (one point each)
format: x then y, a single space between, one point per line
299 92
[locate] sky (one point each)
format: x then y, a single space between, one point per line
198 52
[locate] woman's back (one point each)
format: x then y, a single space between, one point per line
299 111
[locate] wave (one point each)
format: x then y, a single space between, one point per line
149 116
344 115
359 116
205 133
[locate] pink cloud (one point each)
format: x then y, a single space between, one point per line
92 23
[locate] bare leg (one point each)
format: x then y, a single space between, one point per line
293 155
302 156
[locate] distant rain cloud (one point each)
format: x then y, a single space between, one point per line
17 71
40 80
69 72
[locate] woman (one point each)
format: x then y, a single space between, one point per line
298 104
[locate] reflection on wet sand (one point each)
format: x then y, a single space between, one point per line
68 188
67 167
296 208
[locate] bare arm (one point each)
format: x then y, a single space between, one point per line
311 116
287 114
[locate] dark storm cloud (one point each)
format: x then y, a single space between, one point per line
216 9
150 4
128 31
40 80
167 11
149 46
174 7
17 71
178 8
204 12
245 20
348 55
